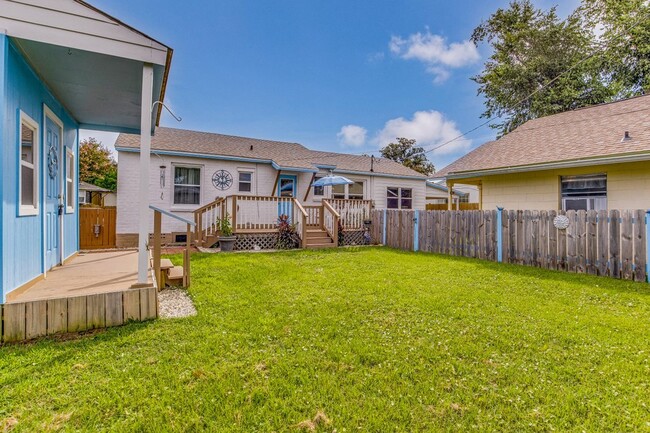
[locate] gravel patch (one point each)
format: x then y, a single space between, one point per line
175 303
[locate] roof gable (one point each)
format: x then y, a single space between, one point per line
588 133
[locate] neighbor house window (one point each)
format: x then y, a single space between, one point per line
245 181
350 192
584 192
319 191
463 198
187 185
399 198
28 176
69 181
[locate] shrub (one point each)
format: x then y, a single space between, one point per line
287 235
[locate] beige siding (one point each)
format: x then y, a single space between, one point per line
628 187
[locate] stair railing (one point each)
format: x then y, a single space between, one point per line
300 220
157 228
331 222
205 220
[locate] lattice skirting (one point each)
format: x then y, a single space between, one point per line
354 238
263 241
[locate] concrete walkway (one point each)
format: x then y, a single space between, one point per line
86 274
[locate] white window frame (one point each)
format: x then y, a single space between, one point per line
399 197
186 206
239 182
346 190
69 154
29 210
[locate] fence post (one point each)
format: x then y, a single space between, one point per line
647 245
416 238
383 239
499 234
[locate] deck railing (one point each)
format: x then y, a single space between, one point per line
299 219
352 212
331 222
205 219
252 214
314 215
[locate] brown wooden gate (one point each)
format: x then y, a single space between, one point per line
92 237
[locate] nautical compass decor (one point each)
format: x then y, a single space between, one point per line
52 161
221 179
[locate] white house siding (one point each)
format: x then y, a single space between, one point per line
264 178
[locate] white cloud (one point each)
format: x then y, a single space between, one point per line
435 52
352 136
429 129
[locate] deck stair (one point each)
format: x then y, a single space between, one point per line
318 238
170 274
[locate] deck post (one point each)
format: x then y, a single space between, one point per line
234 213
416 238
647 245
186 259
157 228
383 235
499 234
145 157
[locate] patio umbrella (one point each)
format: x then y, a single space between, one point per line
331 179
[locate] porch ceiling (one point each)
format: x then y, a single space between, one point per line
100 91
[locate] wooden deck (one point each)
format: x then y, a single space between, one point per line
85 274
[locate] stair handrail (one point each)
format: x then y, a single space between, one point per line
334 230
303 226
199 232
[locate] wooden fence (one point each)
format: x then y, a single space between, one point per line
97 227
607 243
28 320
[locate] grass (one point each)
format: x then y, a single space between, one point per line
371 340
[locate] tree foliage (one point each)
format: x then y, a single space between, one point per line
96 164
408 154
531 48
622 27
599 53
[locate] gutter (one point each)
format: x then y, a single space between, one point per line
636 157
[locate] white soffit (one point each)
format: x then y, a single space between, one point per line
75 24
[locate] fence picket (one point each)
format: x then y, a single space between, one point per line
639 246
603 243
581 241
592 242
614 244
627 253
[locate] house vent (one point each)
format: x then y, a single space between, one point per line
626 137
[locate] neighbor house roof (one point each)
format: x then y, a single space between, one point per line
85 186
444 189
587 136
283 155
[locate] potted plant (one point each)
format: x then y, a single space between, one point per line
226 238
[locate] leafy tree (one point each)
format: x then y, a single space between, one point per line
622 27
96 164
532 49
408 154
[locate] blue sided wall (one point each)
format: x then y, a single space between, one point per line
22 237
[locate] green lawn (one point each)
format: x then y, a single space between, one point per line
369 339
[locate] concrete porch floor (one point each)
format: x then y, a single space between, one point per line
86 274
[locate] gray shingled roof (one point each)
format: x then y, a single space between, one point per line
587 133
286 155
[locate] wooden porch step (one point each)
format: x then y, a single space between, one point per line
175 274
316 233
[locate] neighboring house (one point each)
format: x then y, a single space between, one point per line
90 194
192 169
438 194
63 66
592 158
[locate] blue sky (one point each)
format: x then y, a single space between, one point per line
345 76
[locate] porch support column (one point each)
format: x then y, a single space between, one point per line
450 198
480 196
145 156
